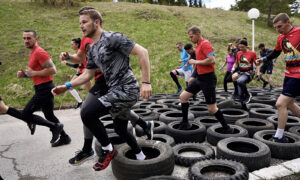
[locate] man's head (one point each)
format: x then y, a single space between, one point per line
243 44
282 23
90 20
237 41
179 46
195 34
30 38
261 46
189 48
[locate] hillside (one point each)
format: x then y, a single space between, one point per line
157 28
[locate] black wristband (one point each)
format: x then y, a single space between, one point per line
146 82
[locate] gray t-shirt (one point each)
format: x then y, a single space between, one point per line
111 55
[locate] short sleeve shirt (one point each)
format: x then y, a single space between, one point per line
246 60
36 58
264 53
290 44
203 50
111 55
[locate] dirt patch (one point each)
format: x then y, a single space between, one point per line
148 15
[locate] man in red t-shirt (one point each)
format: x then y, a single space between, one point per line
289 42
40 69
206 80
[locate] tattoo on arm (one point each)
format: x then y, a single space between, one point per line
48 64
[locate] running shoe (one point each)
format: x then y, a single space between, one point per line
281 140
104 159
179 90
63 140
244 107
265 84
271 88
229 130
31 127
248 98
56 131
81 157
149 130
184 125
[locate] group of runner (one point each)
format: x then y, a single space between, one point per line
116 89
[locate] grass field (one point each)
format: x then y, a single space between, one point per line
157 28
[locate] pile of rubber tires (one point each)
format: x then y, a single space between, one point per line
204 148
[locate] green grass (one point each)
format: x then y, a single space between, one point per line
157 28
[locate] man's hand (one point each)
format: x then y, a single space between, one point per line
192 61
258 61
180 61
21 73
58 90
63 56
146 91
30 72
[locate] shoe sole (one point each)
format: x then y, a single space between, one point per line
63 144
82 161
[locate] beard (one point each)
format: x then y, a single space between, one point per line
92 32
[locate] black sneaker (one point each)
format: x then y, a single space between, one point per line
62 141
56 132
248 98
184 126
244 107
227 131
78 105
281 140
235 97
271 88
31 127
104 160
265 84
81 157
149 130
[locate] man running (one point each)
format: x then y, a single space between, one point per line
110 53
288 41
40 70
205 80
185 70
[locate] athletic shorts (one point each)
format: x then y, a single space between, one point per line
291 87
120 100
100 88
266 67
194 74
207 83
250 75
185 74
0 98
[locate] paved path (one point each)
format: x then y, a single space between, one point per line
23 156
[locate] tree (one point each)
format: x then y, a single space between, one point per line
269 7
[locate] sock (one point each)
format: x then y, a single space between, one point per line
14 113
87 146
108 147
141 123
279 133
140 156
235 87
264 80
175 79
220 118
185 110
76 95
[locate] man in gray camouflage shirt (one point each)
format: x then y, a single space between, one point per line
110 53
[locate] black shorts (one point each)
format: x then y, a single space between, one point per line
266 67
291 87
207 83
100 88
194 74
78 74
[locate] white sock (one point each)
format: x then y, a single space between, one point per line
279 133
76 95
108 147
140 156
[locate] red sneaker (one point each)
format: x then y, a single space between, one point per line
104 160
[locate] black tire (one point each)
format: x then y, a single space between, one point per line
225 104
271 100
173 96
206 152
199 111
155 97
280 150
156 106
109 127
231 115
262 113
254 124
207 121
142 104
142 111
159 128
252 153
171 116
114 139
167 102
258 105
214 133
292 121
106 118
295 130
162 178
162 138
162 110
146 114
211 170
177 105
195 134
160 161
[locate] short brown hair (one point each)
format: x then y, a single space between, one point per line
194 29
281 17
92 12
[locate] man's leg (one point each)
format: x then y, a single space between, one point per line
262 72
236 91
147 126
242 81
269 76
175 79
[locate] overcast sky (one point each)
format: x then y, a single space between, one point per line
224 4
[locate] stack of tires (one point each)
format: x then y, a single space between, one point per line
207 151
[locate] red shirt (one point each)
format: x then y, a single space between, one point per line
203 50
84 46
289 44
246 60
37 57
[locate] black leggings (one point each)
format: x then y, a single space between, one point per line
227 79
90 117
